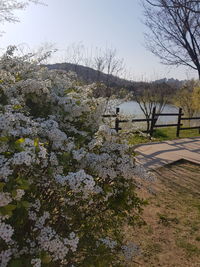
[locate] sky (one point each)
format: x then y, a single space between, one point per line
93 23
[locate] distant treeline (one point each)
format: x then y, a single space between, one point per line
114 84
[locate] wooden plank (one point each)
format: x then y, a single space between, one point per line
165 125
135 120
188 128
117 128
109 116
123 121
168 114
138 120
193 118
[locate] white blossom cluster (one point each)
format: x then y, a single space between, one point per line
5 257
78 182
36 262
58 247
5 199
49 241
6 232
108 242
130 251
60 168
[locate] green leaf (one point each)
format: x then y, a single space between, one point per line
14 193
2 186
4 139
36 142
10 207
46 258
7 210
16 107
23 184
16 263
70 90
20 141
25 204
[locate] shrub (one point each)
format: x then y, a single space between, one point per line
66 181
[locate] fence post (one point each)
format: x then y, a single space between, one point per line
117 125
117 120
152 121
179 122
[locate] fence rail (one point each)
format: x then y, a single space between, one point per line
153 120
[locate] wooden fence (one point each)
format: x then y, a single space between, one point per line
153 120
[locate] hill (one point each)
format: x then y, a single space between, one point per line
89 75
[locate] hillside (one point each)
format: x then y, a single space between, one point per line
90 75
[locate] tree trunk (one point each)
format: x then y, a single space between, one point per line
148 125
198 69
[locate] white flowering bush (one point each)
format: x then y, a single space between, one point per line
66 183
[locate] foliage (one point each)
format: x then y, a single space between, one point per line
152 95
196 97
66 181
188 98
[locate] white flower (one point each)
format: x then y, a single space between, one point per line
51 242
78 182
5 199
23 158
36 262
79 154
6 231
19 194
130 250
5 257
108 242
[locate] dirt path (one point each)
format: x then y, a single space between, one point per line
155 155
171 236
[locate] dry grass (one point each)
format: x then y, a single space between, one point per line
171 236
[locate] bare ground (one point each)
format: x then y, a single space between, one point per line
171 236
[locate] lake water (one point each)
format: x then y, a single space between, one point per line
132 108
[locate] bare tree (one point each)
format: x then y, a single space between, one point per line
75 54
177 4
99 63
44 52
152 95
114 65
174 31
107 61
88 62
8 7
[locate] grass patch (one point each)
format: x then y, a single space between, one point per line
166 221
162 134
189 248
169 133
136 138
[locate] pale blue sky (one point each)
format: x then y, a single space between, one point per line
94 23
